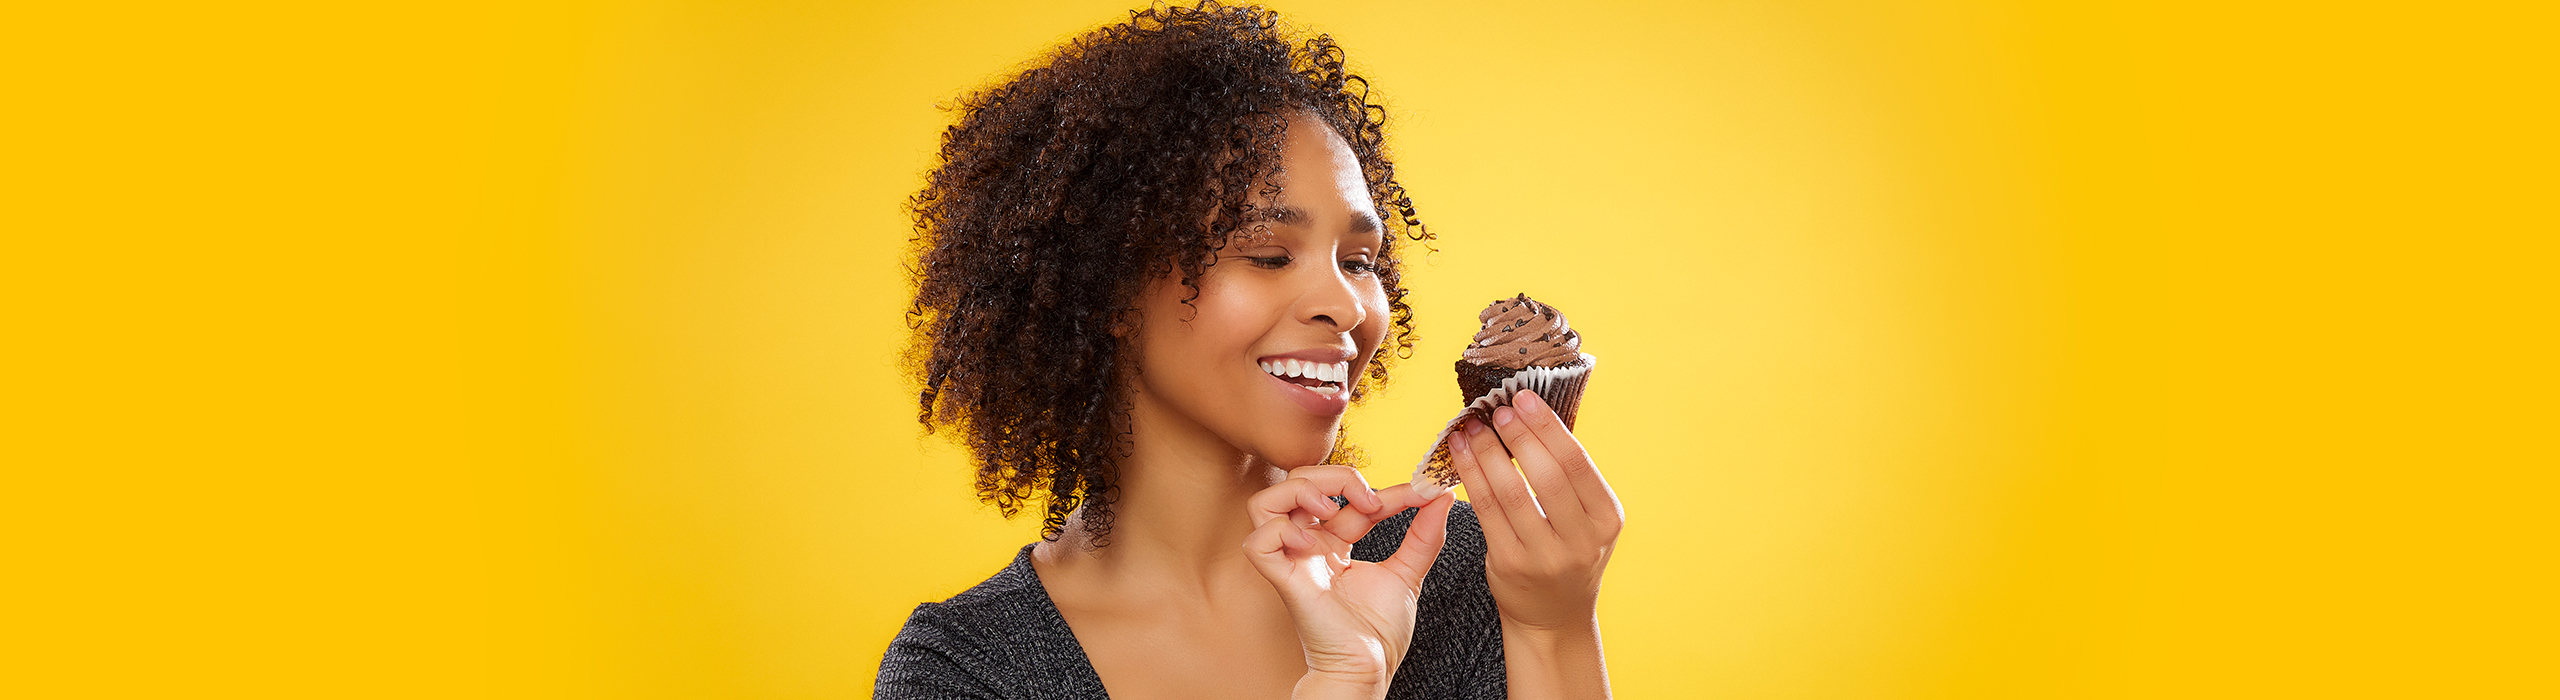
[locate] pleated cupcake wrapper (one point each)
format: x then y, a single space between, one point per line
1560 386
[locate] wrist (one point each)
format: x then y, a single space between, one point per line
1570 635
1555 661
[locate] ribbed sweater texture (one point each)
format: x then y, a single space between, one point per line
1004 638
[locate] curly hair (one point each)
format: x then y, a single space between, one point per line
1061 193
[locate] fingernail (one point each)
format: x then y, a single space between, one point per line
1474 428
1529 401
1502 416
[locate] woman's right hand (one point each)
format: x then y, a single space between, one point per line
1354 618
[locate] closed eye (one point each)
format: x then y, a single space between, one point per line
1270 263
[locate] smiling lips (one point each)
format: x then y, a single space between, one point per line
1325 379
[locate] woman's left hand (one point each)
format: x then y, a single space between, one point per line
1545 551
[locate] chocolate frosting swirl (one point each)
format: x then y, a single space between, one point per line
1520 332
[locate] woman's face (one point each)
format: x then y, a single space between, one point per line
1265 359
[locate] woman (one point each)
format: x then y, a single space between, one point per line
1118 255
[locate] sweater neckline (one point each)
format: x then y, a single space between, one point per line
1057 632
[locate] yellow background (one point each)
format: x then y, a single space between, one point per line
1951 349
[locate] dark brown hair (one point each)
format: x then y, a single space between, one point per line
1063 191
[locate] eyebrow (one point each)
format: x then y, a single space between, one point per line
1361 222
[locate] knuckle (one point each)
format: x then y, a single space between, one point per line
1576 463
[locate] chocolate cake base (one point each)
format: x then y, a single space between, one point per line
1476 380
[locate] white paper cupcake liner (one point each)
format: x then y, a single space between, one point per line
1552 383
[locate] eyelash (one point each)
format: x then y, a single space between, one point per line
1357 267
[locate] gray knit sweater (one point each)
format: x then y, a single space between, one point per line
1004 639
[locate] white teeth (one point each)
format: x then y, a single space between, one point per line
1324 390
1336 372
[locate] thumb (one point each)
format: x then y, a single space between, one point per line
1422 541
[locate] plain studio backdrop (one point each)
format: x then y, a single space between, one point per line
1960 349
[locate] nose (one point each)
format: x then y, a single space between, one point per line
1332 301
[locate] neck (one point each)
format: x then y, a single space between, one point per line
1179 516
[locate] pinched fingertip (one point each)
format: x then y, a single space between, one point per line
1317 503
1428 488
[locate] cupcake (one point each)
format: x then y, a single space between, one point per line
1522 344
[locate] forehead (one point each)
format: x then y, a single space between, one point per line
1319 158
1319 184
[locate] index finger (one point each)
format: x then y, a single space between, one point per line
1351 524
1310 489
1496 483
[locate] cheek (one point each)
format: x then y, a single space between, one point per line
1380 318
1169 328
1220 321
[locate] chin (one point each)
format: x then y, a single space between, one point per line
1301 454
